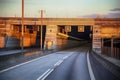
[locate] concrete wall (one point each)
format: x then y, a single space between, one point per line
66 44
11 42
2 42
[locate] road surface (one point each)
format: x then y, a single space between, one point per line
73 64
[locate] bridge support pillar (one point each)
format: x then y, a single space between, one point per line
51 37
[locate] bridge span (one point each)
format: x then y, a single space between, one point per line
56 29
78 62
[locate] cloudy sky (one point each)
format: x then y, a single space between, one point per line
61 8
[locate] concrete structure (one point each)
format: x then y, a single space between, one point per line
11 27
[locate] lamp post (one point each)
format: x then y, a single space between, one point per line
41 12
22 46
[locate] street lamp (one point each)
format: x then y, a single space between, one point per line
22 46
41 12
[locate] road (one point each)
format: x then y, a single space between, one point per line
70 64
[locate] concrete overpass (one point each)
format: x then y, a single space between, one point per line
100 28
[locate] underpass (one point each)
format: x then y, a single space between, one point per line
77 59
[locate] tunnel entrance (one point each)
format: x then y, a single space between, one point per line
80 34
75 31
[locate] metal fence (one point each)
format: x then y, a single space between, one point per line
111 47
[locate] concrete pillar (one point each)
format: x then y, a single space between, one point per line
51 36
96 43
11 30
8 29
58 29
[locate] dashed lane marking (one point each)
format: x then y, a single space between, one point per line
65 57
49 71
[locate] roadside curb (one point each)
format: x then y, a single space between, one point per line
110 59
107 64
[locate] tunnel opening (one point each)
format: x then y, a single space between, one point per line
85 34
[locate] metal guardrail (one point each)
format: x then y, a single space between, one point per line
111 47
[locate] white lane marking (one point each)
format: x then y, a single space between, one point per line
90 68
43 74
23 64
49 71
58 63
65 57
47 74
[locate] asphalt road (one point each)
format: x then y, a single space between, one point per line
73 68
34 69
65 65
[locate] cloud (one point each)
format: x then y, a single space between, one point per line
109 15
115 9
113 15
90 16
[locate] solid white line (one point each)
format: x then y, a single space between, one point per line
43 74
47 74
90 68
22 64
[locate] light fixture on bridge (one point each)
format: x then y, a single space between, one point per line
80 28
49 44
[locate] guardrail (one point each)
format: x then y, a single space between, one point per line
111 47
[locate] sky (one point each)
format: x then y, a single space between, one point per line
61 8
